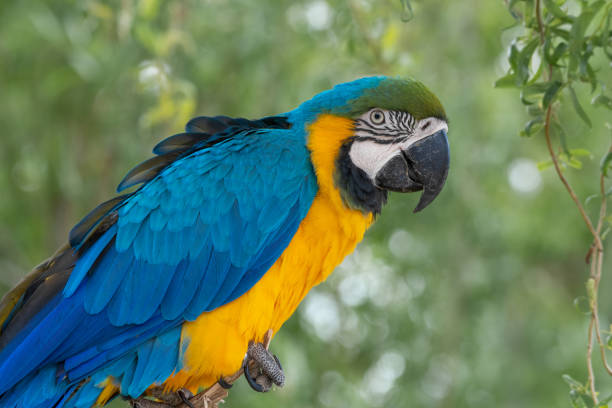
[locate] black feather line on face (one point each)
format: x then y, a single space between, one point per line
378 140
356 189
374 132
397 123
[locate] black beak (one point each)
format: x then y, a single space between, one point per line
423 166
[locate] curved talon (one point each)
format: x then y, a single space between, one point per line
184 395
250 379
224 384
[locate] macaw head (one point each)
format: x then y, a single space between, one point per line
386 134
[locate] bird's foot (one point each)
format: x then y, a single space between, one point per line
262 368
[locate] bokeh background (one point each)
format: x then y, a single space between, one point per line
475 302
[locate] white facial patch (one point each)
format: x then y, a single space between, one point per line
370 156
372 150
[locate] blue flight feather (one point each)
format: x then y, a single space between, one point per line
86 261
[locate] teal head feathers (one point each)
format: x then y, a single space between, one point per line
352 99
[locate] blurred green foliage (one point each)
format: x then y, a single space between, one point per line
468 304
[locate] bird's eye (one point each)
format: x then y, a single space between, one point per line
377 117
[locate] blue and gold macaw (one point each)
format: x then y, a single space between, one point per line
233 223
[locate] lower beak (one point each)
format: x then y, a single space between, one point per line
423 166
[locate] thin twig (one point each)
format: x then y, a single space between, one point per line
598 266
595 269
592 323
590 363
602 347
569 188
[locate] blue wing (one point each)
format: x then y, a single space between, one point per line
201 232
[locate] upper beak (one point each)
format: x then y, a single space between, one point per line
423 166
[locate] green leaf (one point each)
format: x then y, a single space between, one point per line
532 127
551 93
606 231
590 198
535 111
561 32
587 73
513 56
577 37
578 31
577 401
605 36
524 59
580 152
597 5
543 165
574 384
538 72
530 91
513 12
581 303
559 51
556 11
604 402
578 107
575 163
604 166
507 81
407 13
602 100
562 137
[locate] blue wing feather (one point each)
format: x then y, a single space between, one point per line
188 281
104 284
196 236
85 263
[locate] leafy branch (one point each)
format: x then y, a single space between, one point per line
555 52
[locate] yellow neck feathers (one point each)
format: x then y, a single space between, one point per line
326 135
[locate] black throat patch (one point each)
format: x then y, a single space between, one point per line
356 189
